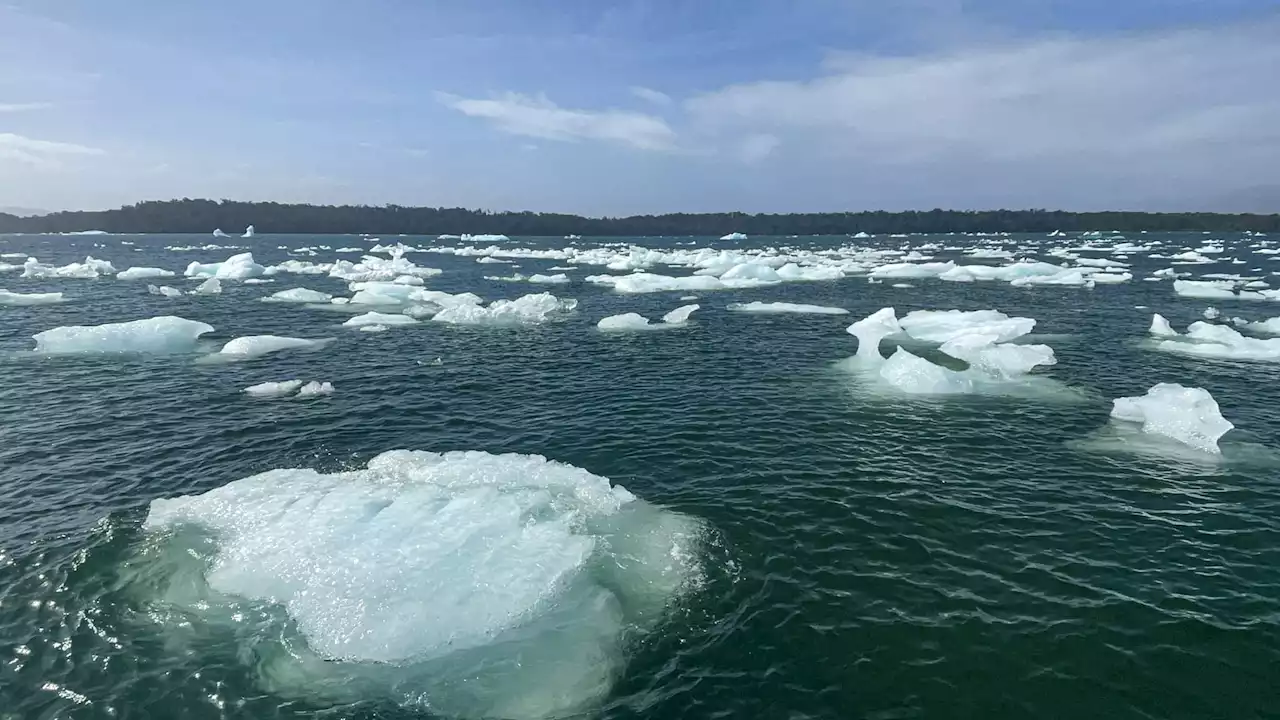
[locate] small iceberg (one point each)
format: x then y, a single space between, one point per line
165 290
144 273
782 307
248 232
298 295
634 321
218 233
255 346
734 236
379 319
315 389
1209 340
273 389
212 286
25 299
157 335
526 310
1187 415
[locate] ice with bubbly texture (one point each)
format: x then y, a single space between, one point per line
783 307
467 584
1188 415
23 299
157 335
527 310
940 326
298 295
273 389
89 269
914 375
143 273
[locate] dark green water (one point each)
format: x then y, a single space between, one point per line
863 556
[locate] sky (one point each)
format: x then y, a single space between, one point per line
616 107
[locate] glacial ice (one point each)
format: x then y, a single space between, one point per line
212 286
557 279
734 236
1271 326
871 330
88 270
315 389
298 295
157 335
635 321
1188 415
23 299
526 310
373 328
1205 289
1220 342
782 307
377 318
680 315
940 326
144 273
165 290
465 584
274 389
915 375
236 267
1160 326
254 346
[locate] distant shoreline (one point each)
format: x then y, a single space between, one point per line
203 216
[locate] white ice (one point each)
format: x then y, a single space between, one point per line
871 330
1271 326
20 299
1160 326
377 318
466 584
143 273
164 334
526 310
315 389
734 236
236 267
274 389
298 295
1187 415
165 290
89 269
253 346
782 307
940 326
917 376
212 286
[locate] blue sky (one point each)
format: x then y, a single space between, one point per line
617 107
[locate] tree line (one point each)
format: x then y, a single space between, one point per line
202 216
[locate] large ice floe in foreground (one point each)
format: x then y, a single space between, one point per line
465 584
1209 340
157 335
1187 415
977 340
634 321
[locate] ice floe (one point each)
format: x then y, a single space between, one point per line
526 310
236 267
1187 415
298 295
144 273
1209 340
783 307
22 299
90 269
379 319
469 584
157 335
254 346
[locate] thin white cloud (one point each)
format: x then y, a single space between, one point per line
651 95
758 147
24 107
1188 101
538 117
40 153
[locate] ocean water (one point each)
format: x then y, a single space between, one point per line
799 547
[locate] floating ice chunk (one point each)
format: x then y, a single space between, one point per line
940 326
526 310
1221 342
165 290
1100 263
1187 415
648 283
557 279
373 328
377 318
217 232
680 315
625 321
157 335
1160 326
483 238
912 270
273 389
212 286
917 376
315 389
1069 277
871 330
248 232
142 273
734 236
298 295
254 346
782 307
1109 278
861 236
1003 360
87 270
1271 327
1212 313
21 299
474 585
490 260
236 267
1212 289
